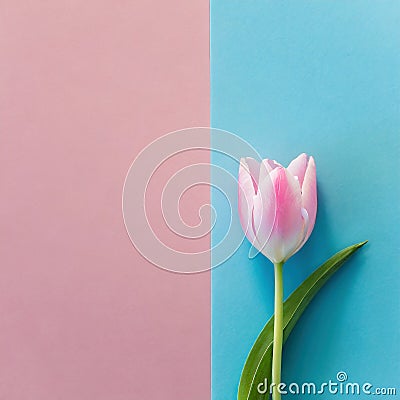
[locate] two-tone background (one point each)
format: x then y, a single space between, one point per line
85 86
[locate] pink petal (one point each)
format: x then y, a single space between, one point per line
287 230
270 165
298 167
309 194
248 184
253 167
304 238
264 211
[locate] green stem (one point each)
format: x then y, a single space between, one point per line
278 332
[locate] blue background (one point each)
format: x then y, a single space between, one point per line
320 77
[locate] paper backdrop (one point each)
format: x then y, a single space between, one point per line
85 86
321 78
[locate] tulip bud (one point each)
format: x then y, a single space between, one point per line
277 205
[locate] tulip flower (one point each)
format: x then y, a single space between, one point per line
277 205
277 211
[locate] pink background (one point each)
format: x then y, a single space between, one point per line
84 85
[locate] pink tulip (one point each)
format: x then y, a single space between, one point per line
277 205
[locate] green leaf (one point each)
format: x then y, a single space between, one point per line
259 360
